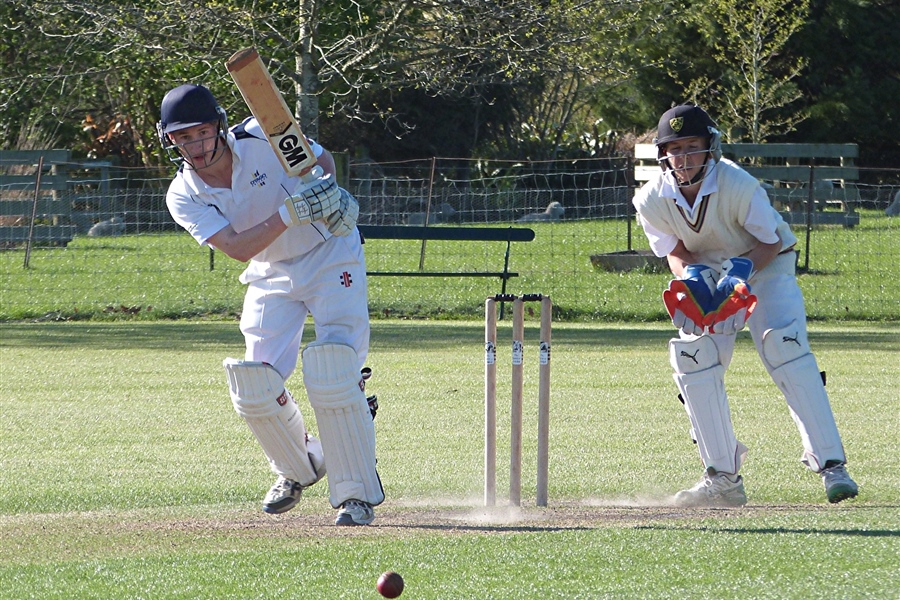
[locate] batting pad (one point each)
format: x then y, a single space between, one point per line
259 396
333 384
700 377
793 368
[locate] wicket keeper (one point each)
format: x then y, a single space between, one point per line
733 258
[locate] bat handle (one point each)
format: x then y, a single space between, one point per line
313 173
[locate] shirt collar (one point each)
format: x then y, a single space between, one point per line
710 185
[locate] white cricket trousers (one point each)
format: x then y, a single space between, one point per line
328 282
780 302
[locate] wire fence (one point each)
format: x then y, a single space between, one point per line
491 192
103 243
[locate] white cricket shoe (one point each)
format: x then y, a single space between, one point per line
355 512
283 496
838 484
713 489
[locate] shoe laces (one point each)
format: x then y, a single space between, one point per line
284 484
705 482
836 473
714 483
357 504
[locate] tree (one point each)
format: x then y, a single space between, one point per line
853 80
331 58
755 86
562 118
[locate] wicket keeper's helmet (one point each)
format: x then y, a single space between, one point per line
686 121
186 106
681 122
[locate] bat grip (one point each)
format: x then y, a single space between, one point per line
312 174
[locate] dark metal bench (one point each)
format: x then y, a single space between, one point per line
475 234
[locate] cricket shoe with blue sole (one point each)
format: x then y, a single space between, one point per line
283 496
355 512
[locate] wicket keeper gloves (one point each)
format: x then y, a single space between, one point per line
689 299
311 201
732 303
343 220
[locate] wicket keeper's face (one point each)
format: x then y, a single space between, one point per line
687 156
199 144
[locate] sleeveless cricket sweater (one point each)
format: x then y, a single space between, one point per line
715 232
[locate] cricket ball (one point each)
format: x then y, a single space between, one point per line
390 584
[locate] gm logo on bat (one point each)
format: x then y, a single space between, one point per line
292 150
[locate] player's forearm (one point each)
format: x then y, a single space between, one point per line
245 245
679 258
763 254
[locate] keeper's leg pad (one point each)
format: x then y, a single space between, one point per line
332 378
259 396
700 377
792 366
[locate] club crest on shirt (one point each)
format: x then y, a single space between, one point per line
259 179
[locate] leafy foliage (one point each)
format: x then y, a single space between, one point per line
753 94
513 79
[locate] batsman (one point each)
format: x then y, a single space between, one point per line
734 264
304 256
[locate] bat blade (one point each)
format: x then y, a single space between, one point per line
268 106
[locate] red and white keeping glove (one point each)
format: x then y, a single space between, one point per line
732 303
688 299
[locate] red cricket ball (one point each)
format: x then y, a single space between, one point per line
390 584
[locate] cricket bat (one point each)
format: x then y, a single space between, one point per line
268 106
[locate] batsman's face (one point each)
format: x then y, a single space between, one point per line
687 156
197 144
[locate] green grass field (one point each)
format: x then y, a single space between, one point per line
125 473
168 276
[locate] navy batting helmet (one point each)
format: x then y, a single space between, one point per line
687 121
186 106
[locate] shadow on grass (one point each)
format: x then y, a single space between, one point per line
172 335
391 335
493 528
387 335
781 531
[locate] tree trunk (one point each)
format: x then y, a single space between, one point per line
307 108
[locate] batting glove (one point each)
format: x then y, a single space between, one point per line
311 201
342 221
732 303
